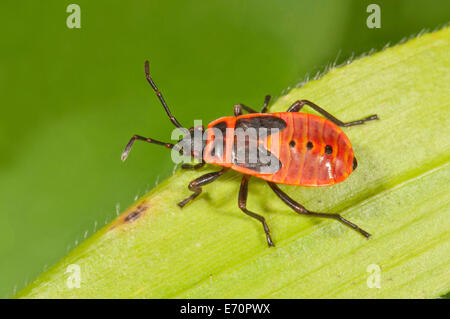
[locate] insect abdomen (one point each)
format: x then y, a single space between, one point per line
313 150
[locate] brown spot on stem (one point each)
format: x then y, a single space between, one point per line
131 215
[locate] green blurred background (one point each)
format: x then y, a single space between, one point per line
71 98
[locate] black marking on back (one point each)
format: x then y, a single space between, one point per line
251 154
264 121
254 157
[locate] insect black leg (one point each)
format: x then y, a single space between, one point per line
302 210
243 192
266 103
299 104
238 109
145 139
196 185
161 98
195 166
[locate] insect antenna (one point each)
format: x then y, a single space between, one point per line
161 98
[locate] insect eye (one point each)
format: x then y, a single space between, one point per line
292 144
309 145
328 149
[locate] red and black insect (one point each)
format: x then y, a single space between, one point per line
309 150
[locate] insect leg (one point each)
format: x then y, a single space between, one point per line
196 185
238 109
243 192
195 166
302 210
145 139
161 98
299 104
266 103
